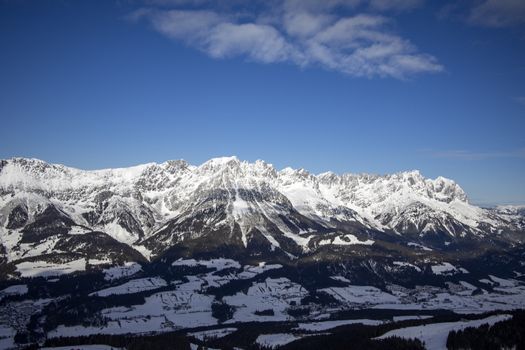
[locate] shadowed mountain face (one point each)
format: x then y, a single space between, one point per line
248 210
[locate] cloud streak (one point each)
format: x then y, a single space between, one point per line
498 13
304 33
486 13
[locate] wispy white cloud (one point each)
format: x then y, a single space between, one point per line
305 33
396 5
498 13
380 5
260 42
185 25
485 13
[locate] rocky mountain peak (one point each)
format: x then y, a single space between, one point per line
154 206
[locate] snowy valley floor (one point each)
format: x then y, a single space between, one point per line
222 304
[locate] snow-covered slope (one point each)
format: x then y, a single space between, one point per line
47 208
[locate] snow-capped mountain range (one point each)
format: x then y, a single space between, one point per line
231 252
143 211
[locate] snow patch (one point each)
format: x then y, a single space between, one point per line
410 317
446 268
133 286
420 246
406 264
213 333
218 264
435 335
275 340
47 269
325 325
360 295
347 239
126 270
19 289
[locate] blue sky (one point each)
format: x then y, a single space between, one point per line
344 85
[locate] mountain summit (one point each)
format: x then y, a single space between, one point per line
228 205
227 253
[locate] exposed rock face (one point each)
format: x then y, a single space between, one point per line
225 203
